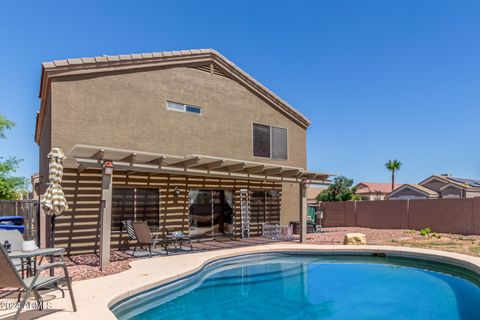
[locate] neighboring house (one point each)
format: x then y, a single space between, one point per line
412 191
197 146
312 192
452 187
373 190
438 186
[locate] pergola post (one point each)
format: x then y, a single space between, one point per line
106 214
303 211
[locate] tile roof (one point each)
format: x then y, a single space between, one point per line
375 187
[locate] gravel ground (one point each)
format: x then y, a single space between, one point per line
87 266
397 237
374 236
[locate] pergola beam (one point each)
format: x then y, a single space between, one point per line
255 169
210 165
98 155
88 156
291 172
187 162
273 171
234 167
130 158
157 161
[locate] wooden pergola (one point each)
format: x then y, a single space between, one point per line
82 157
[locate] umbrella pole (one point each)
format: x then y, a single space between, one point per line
52 231
52 241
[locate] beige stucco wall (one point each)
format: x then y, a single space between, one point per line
129 111
290 210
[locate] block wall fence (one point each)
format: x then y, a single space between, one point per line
460 216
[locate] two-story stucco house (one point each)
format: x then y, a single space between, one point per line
197 145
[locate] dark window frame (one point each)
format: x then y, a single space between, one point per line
271 128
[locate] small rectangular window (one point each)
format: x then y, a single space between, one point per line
193 109
261 141
175 106
183 107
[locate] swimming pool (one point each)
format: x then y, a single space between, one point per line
311 286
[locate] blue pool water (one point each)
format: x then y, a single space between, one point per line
293 286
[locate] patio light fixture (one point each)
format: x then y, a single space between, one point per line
176 191
108 167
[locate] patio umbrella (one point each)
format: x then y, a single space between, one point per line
53 202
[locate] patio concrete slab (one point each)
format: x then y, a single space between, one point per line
94 296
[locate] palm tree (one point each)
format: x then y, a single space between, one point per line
393 165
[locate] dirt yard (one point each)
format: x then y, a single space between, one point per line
410 238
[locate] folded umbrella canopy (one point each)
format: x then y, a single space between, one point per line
53 202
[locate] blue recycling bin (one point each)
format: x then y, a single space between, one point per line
12 223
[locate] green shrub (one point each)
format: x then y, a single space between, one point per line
425 232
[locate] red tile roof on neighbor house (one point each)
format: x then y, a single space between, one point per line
375 187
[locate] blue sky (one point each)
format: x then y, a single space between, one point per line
380 80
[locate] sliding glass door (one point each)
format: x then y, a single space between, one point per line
211 213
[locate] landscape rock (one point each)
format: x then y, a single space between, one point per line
355 239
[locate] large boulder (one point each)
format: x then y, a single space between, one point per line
355 239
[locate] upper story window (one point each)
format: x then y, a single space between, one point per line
183 107
270 142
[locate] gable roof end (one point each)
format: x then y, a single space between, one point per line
415 187
191 57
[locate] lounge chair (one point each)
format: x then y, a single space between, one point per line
10 278
144 237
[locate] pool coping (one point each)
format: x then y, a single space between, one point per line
96 296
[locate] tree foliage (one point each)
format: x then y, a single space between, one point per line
393 165
11 187
340 190
5 124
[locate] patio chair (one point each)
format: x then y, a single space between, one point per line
127 225
10 278
144 237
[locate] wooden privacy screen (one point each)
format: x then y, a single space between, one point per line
264 208
77 229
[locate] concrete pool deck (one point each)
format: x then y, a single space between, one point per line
94 296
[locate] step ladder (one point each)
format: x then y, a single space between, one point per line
245 213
